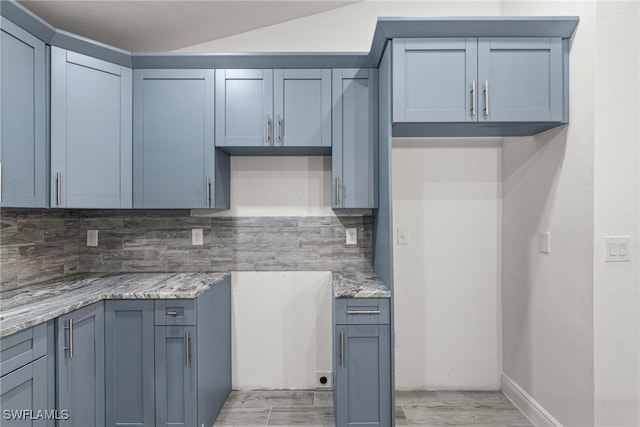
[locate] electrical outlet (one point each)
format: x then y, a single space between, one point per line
92 238
352 236
617 249
403 236
197 238
544 242
323 380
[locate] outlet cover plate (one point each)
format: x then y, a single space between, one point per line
352 236
197 238
92 238
617 248
328 385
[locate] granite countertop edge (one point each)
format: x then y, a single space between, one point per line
26 307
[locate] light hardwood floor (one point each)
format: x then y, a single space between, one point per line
415 408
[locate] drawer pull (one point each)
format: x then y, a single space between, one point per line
172 313
69 328
341 348
363 311
187 349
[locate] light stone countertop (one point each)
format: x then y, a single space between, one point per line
31 305
28 306
359 285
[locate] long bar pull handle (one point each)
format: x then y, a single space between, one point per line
486 97
0 182
69 328
363 311
172 313
58 188
341 348
208 190
187 348
279 124
474 98
267 129
337 190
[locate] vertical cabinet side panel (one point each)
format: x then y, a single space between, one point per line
23 138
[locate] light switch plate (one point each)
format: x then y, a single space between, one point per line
92 238
616 249
352 236
197 238
403 236
544 242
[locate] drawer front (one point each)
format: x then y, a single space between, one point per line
173 312
22 347
361 311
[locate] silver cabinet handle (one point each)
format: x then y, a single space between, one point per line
363 311
208 191
341 348
267 129
279 124
172 313
337 190
474 98
0 182
69 328
486 97
187 348
58 188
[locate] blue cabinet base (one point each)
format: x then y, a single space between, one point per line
440 130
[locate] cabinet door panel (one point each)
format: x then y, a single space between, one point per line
129 363
173 138
175 375
81 371
23 141
91 132
26 389
363 376
302 108
524 77
433 79
244 108
355 139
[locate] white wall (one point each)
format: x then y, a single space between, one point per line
447 195
548 186
281 329
617 212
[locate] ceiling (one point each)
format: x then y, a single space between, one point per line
165 25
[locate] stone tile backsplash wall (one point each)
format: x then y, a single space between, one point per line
38 245
161 241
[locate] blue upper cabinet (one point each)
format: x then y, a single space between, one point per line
432 78
23 137
302 108
520 79
479 86
286 109
175 162
91 118
244 108
355 139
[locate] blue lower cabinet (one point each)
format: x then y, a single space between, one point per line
24 395
80 366
129 363
362 366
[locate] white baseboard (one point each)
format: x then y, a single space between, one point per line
538 416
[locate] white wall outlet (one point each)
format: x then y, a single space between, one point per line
403 236
197 238
323 380
92 237
617 249
352 236
544 242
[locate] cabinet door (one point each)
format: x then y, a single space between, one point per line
355 139
302 108
244 108
524 78
25 389
23 142
129 360
80 366
363 375
433 80
176 368
173 138
91 122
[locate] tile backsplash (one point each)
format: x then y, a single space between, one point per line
37 245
